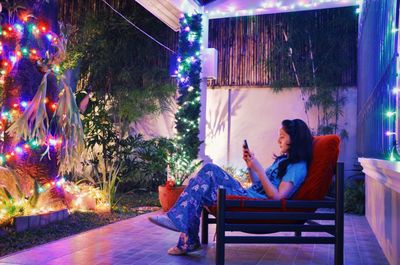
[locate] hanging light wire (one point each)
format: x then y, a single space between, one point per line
130 22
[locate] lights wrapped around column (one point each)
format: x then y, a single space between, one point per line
188 73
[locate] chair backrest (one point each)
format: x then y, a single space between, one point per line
321 170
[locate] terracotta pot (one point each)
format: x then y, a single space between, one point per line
168 196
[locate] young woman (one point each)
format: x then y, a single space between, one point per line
281 180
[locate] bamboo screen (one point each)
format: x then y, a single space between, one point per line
244 44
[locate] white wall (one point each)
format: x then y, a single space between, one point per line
382 204
156 125
256 115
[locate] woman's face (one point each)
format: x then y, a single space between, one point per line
283 141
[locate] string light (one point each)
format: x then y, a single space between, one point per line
390 113
275 6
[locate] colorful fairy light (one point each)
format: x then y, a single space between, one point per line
389 114
275 6
18 150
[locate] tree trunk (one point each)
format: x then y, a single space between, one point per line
21 85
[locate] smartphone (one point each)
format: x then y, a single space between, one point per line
245 145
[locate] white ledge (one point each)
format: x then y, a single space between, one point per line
383 171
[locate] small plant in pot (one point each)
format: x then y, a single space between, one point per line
180 167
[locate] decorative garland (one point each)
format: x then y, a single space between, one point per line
189 68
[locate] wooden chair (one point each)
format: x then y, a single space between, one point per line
258 216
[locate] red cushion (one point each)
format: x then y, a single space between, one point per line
316 184
321 170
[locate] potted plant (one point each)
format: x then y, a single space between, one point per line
179 168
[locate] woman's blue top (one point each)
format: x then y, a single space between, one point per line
295 173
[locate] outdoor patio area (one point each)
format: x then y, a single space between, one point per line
119 118
137 241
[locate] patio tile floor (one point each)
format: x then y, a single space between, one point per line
137 241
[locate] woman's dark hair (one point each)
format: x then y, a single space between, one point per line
300 148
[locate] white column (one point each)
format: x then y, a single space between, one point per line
203 96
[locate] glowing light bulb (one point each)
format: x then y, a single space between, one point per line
13 59
18 149
18 27
390 113
53 142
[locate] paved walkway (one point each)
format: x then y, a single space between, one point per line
137 241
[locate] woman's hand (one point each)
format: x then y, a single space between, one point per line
250 159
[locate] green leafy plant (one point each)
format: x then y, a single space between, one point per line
240 175
142 163
17 204
145 161
107 179
354 197
116 61
101 139
181 166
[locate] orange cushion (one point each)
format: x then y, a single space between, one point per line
317 182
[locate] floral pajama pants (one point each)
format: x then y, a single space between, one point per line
201 191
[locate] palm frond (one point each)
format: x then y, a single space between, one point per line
34 122
69 127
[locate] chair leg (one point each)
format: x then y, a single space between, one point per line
339 222
204 226
220 248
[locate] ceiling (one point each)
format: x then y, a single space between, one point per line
169 11
203 2
232 8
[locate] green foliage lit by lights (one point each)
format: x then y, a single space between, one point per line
187 116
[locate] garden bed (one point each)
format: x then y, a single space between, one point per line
130 205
